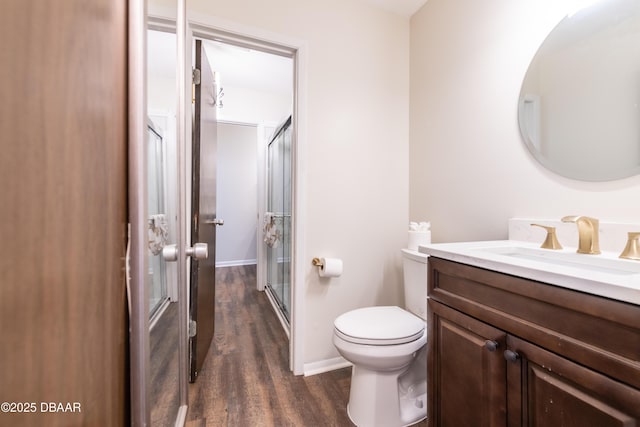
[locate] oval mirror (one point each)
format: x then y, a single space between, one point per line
578 108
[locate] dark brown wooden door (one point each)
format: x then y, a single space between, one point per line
467 370
203 214
548 390
63 213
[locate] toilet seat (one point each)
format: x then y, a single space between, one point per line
388 325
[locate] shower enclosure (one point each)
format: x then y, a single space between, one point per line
277 229
156 278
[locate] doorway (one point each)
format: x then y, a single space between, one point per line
263 129
255 97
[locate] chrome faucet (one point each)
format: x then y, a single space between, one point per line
588 233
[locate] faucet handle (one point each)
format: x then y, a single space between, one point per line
551 241
632 250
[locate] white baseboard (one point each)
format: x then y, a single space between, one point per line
236 262
326 365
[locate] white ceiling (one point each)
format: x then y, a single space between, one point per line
401 7
250 69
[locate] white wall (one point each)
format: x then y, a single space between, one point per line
356 148
236 194
470 172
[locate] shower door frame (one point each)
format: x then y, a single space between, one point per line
280 135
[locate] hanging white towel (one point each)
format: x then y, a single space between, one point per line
158 233
270 230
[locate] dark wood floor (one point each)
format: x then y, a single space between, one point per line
246 380
165 397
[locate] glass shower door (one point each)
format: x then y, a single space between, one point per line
278 218
158 227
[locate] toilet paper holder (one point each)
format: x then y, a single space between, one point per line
328 267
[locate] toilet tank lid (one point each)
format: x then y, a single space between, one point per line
379 323
415 255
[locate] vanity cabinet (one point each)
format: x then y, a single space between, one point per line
508 351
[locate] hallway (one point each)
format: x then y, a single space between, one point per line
246 381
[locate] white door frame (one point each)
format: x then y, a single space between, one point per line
209 27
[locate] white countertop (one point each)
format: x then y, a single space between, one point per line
603 274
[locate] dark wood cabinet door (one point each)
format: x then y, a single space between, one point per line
467 370
548 390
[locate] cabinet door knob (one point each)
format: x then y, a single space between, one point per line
491 345
511 356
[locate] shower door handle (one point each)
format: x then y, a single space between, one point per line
170 253
217 221
198 251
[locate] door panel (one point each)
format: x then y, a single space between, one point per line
203 213
471 376
63 211
558 392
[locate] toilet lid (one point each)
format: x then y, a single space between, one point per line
379 326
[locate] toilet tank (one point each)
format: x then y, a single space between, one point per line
414 266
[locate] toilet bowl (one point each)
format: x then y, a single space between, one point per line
387 347
383 343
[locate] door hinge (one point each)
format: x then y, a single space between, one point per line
192 328
195 75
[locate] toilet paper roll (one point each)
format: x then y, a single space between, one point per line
331 267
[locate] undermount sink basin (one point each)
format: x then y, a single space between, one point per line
570 259
603 274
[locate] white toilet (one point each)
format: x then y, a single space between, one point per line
387 348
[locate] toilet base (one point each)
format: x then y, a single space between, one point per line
377 400
409 408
